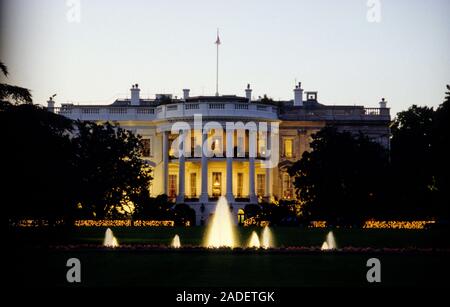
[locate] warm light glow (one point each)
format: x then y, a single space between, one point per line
397 224
110 240
266 240
318 224
254 241
288 148
330 242
220 231
176 242
253 222
123 223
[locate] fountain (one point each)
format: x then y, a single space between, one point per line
266 239
330 242
110 240
220 231
176 242
254 241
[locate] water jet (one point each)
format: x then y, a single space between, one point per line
220 231
329 243
110 240
176 242
254 241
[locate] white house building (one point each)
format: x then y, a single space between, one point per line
199 179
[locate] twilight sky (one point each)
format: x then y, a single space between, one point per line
167 45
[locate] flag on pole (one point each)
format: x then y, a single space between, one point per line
218 38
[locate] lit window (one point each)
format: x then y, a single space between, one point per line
147 148
241 216
217 145
193 184
262 145
217 184
260 184
240 184
173 145
288 148
172 186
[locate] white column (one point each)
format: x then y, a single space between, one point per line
165 159
181 168
251 180
204 193
230 153
268 188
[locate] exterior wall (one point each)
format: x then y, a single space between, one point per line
296 123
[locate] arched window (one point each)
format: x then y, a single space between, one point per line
241 216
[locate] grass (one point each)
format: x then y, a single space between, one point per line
33 264
284 236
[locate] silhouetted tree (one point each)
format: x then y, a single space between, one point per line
14 93
412 172
441 154
182 213
55 168
112 176
154 208
36 162
342 179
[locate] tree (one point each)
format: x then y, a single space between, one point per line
58 169
112 177
342 179
182 214
412 159
156 208
36 162
11 92
441 154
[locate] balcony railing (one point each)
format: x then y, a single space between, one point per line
336 113
84 112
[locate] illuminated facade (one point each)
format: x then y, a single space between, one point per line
197 179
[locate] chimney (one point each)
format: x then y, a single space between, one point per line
135 101
248 93
51 104
383 103
186 93
298 95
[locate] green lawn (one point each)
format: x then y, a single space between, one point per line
284 236
33 264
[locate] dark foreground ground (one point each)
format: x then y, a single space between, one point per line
37 260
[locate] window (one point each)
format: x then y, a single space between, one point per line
172 186
241 216
173 145
147 150
262 145
240 184
288 192
193 184
288 148
216 143
216 184
260 184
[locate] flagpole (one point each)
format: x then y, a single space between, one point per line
217 64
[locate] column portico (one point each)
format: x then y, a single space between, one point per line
165 160
230 153
204 163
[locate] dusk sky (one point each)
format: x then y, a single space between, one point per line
165 46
